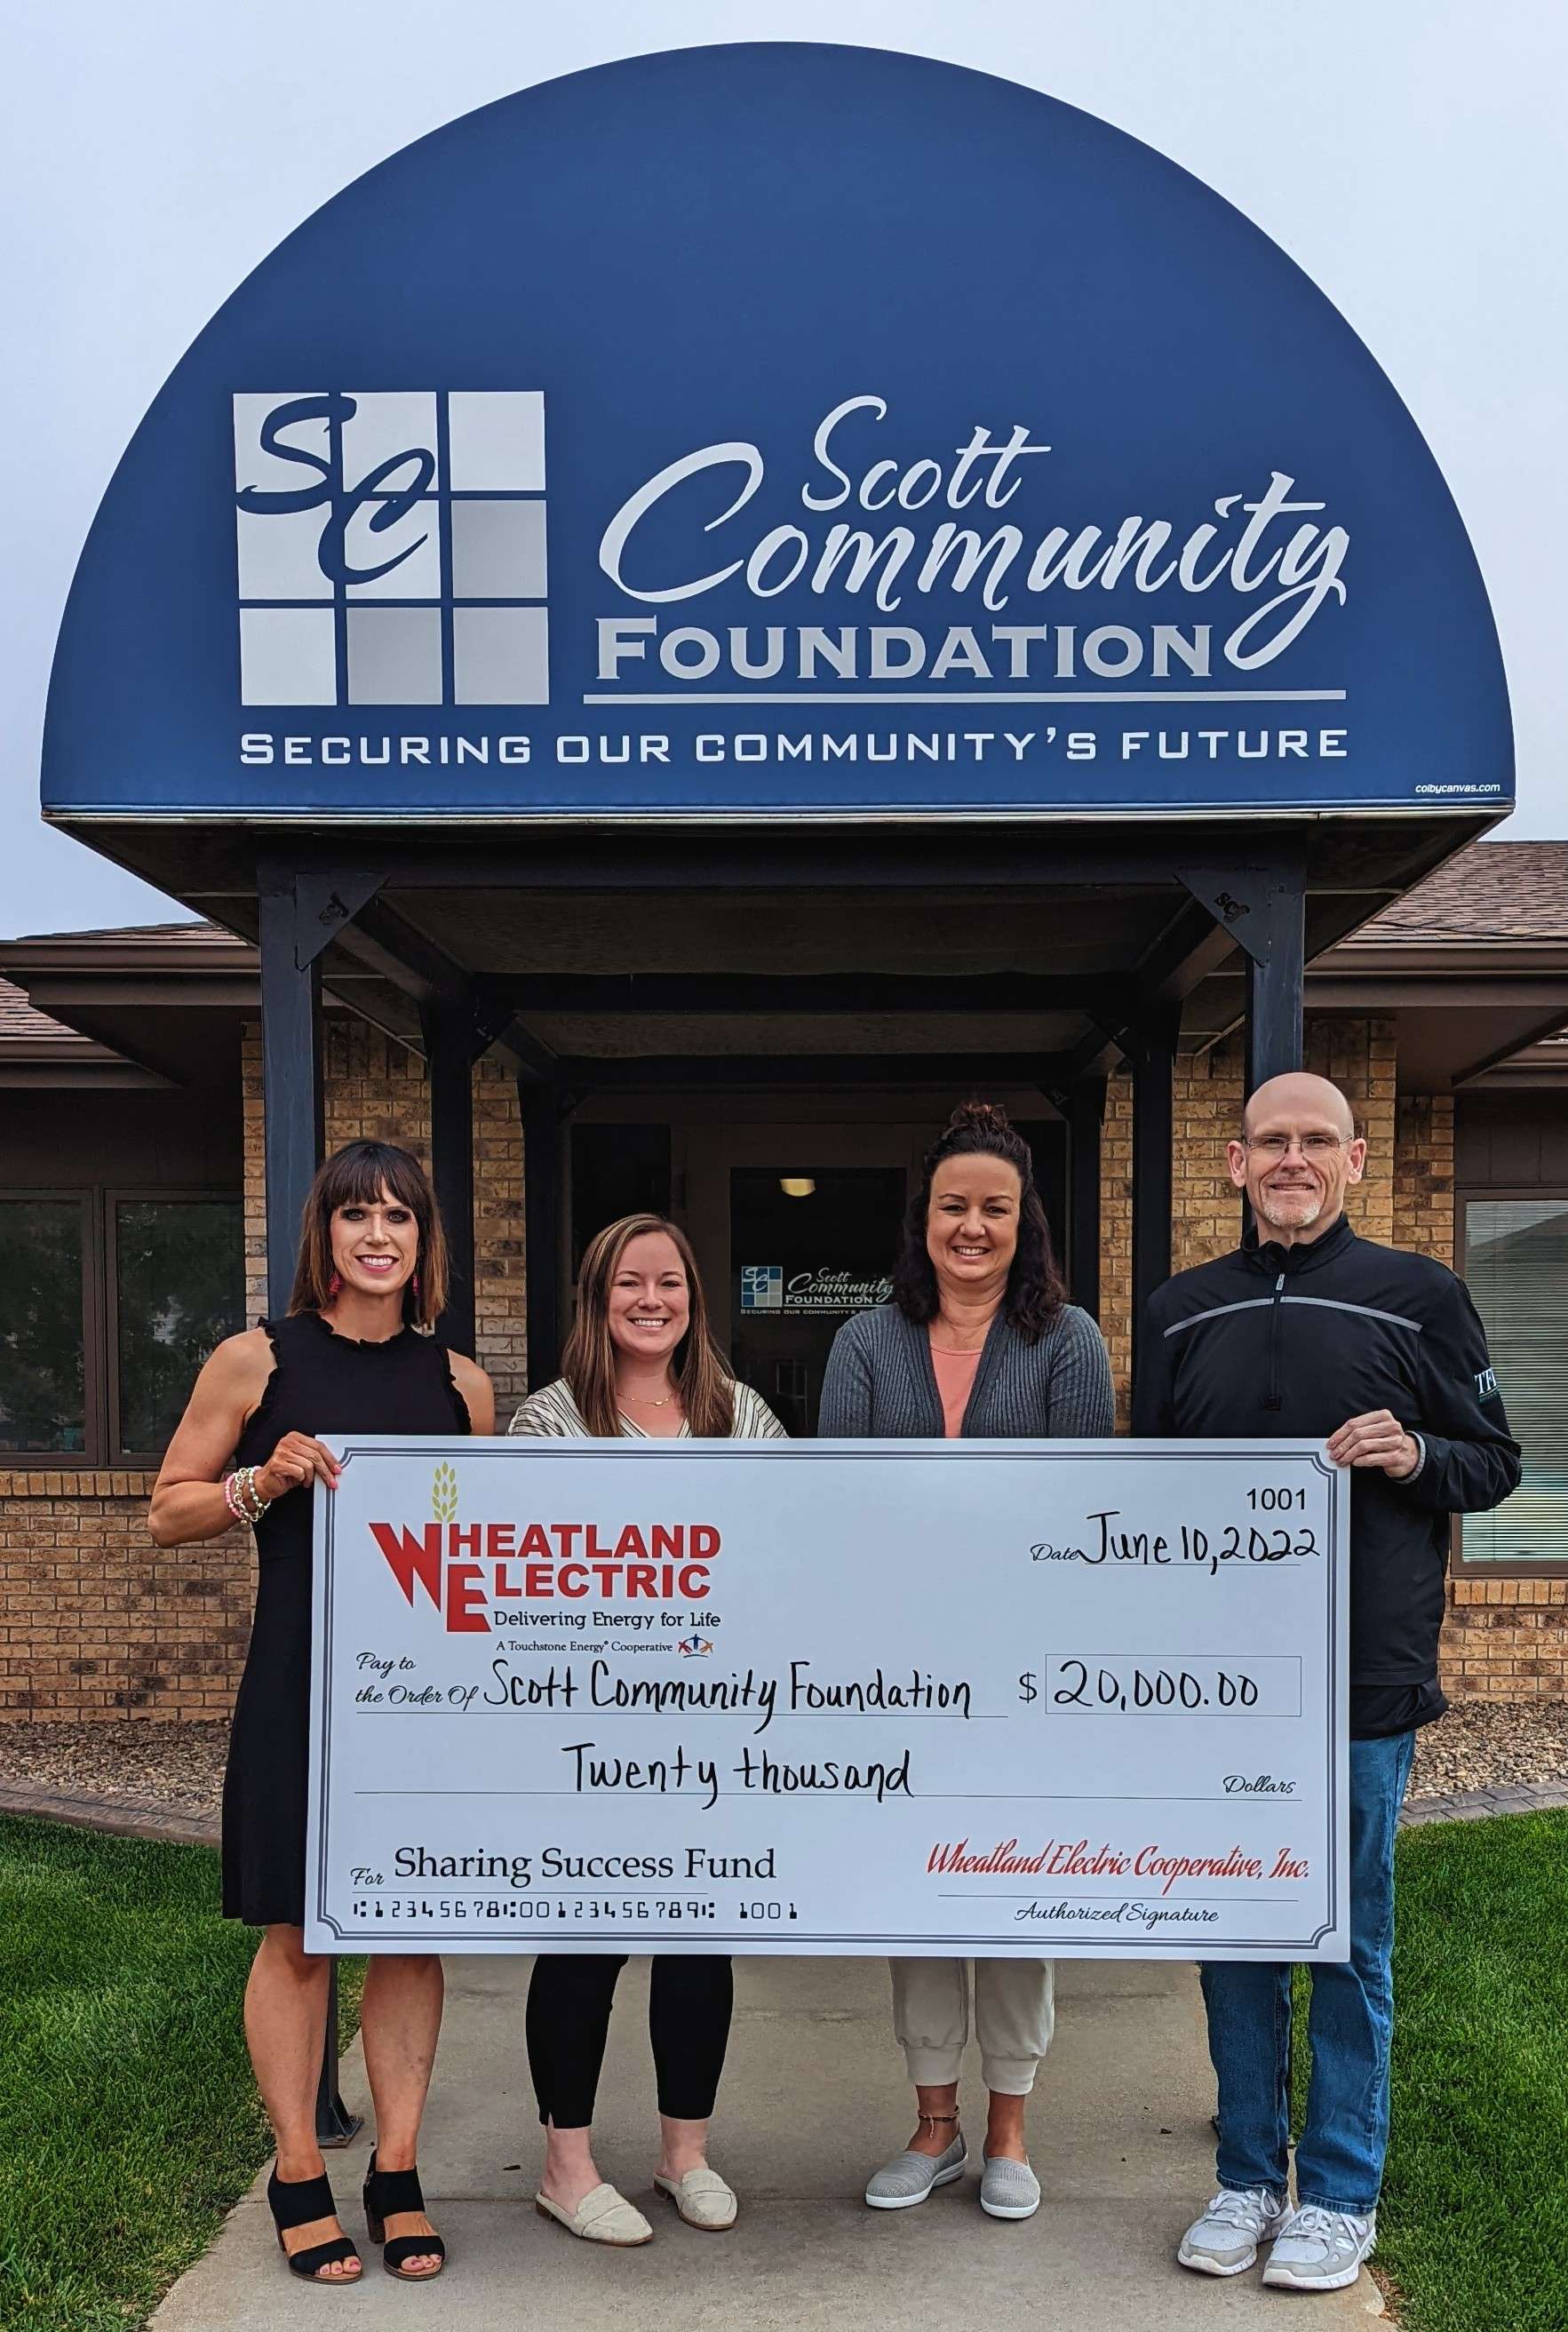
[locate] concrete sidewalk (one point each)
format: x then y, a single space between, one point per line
814 2097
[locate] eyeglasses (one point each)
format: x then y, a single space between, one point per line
1280 1145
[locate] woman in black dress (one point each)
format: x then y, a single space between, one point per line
347 1359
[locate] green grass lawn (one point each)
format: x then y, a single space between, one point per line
1473 2228
129 2120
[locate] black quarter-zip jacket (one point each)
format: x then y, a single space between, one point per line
1291 1342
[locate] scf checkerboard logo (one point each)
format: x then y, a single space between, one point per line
761 1287
391 546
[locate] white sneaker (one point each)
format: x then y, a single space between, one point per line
1225 2239
1320 2250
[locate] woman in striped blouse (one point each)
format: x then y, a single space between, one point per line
639 1361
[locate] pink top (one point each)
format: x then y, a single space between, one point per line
955 1374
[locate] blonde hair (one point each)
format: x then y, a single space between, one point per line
588 1363
356 1175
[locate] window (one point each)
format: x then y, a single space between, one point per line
43 1329
179 1290
1517 1268
112 1301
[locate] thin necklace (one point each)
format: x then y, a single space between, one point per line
646 1401
963 1348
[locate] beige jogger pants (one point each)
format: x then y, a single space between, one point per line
1014 2017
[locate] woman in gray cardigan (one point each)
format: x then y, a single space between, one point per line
978 1341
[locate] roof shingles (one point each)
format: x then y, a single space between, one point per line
1489 891
23 1023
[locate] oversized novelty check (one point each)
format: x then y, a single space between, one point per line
1080 1698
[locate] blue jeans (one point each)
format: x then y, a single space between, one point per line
1339 2161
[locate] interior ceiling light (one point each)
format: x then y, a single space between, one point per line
797 1186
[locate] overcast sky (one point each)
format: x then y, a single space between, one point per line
1409 154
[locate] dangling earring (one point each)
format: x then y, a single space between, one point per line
335 1285
416 1287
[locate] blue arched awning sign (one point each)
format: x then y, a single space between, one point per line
776 430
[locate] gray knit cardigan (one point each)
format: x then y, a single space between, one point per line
880 1382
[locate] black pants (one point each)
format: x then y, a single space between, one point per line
690 2001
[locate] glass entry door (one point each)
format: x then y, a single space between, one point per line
809 1246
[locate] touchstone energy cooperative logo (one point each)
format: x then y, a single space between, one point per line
391 546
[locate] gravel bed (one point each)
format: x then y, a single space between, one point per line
165 1766
1478 1745
1484 1744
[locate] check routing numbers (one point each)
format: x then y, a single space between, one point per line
1079 1719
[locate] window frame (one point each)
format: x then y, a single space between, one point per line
103 1450
70 1461
1462 1566
116 1196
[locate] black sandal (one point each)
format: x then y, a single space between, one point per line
388 2191
295 2202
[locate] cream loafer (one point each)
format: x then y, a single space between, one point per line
701 2198
603 2216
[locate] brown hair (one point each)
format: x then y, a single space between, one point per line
356 1175
588 1363
1036 1290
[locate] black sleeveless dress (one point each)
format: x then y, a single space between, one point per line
324 1383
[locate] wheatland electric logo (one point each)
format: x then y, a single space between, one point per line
467 1569
391 546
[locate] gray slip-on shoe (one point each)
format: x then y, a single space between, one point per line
909 2178
1009 2189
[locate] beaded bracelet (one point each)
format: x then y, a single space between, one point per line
250 1498
243 1498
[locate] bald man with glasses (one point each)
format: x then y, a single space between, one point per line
1307 1330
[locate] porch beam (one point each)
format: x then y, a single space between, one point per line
849 992
1186 952
534 1061
388 944
1085 1116
1041 857
292 1081
1274 991
297 914
542 1211
965 1073
1262 904
451 1044
1151 1051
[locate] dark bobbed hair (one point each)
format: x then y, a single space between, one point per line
356 1175
1036 1290
588 1362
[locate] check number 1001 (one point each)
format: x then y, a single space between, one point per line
1198 1685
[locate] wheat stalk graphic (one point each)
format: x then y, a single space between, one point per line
443 1496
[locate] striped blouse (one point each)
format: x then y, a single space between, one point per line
551 1412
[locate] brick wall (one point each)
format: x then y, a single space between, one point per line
1206 1213
1424 1175
96 1621
376 1092
1505 1640
1116 1236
